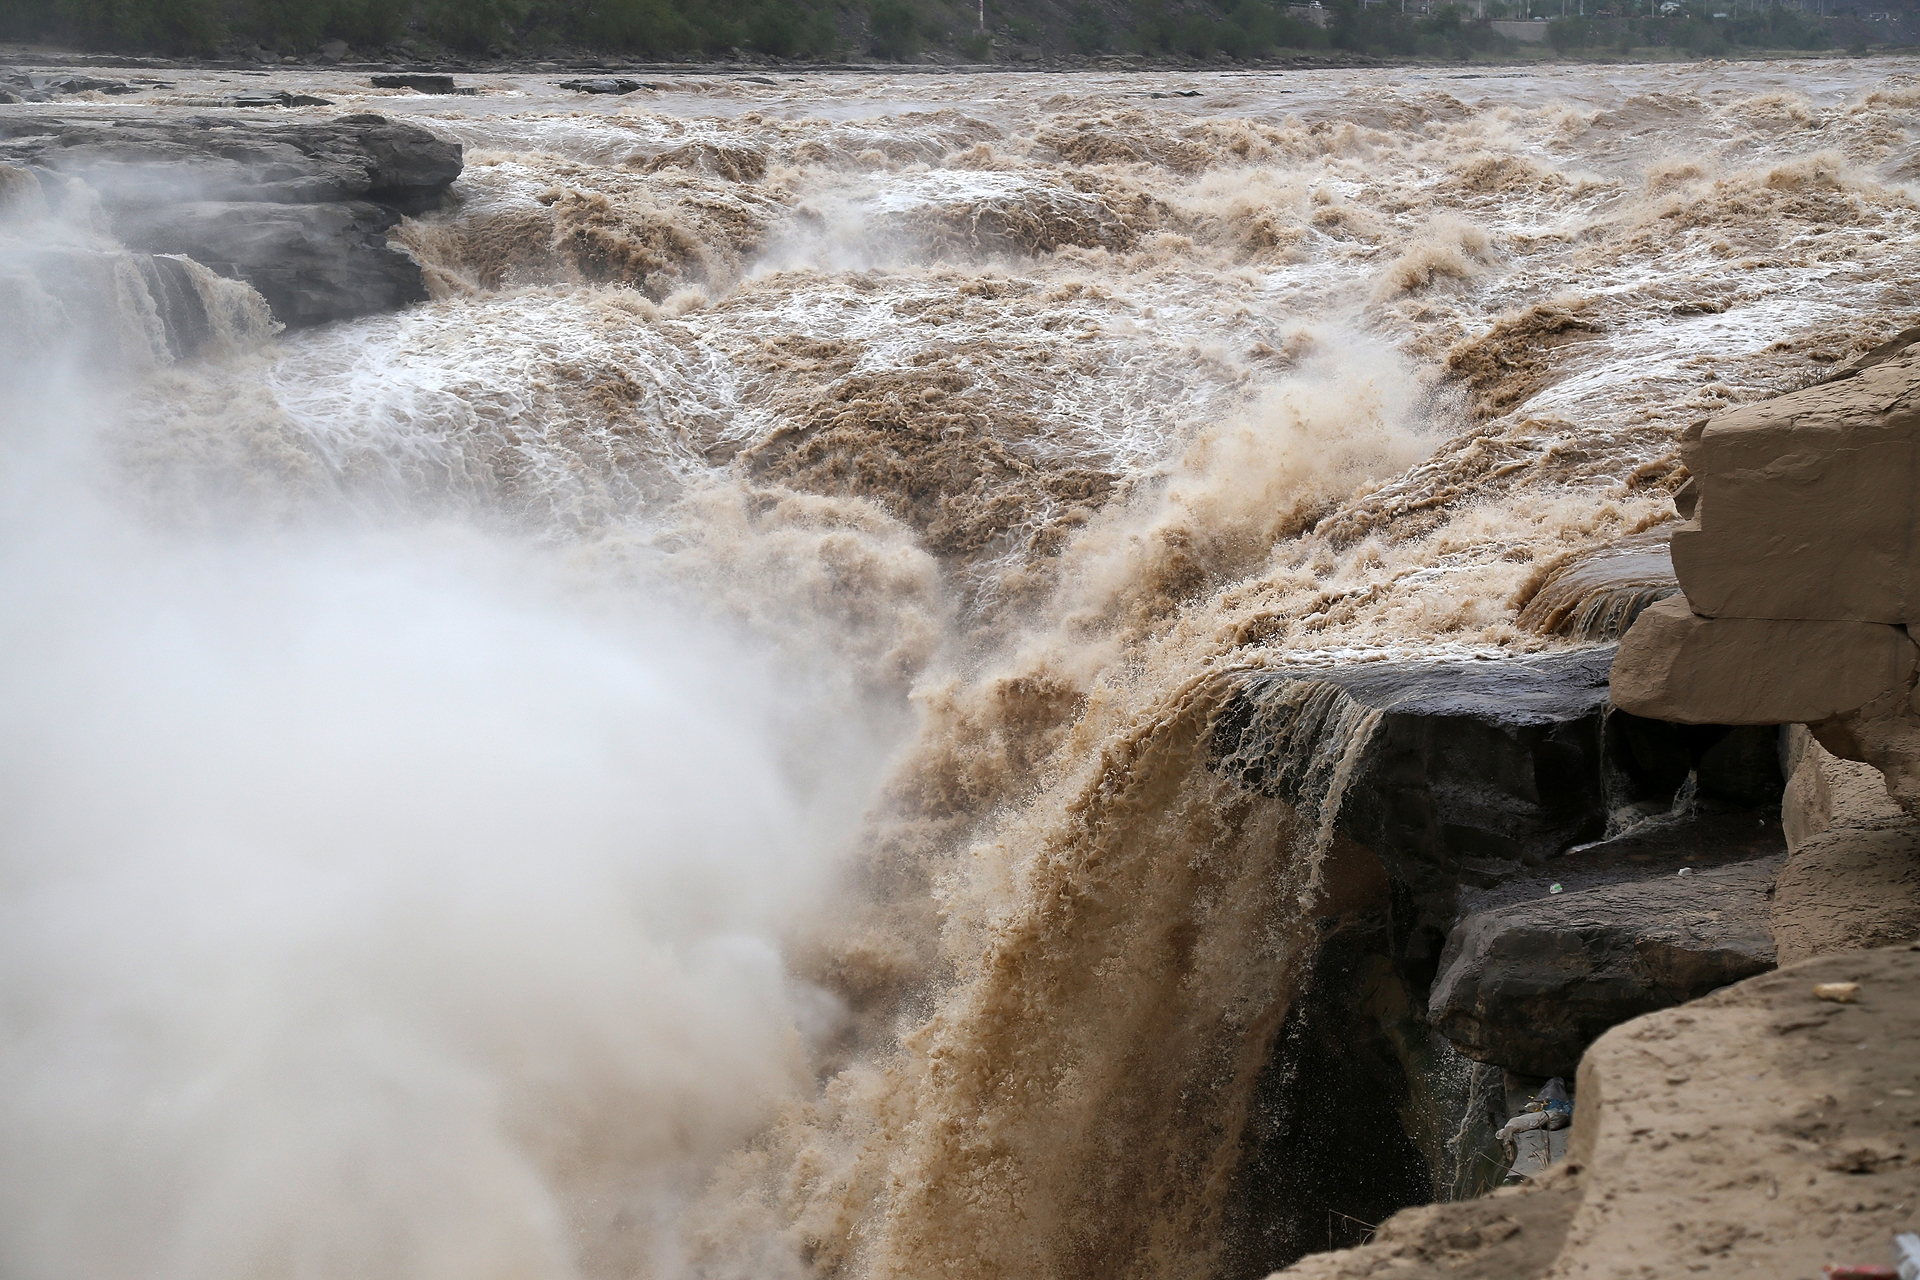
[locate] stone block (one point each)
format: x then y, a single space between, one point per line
1807 502
1676 665
1530 986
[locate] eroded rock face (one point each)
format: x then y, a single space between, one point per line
299 211
1852 877
1747 1133
1799 574
1441 789
1471 772
311 262
1806 503
1530 986
1679 666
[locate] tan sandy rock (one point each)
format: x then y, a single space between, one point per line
1852 878
1806 503
1512 1233
1760 1131
1677 665
1820 786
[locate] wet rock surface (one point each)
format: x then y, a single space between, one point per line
299 211
1464 774
617 85
1596 595
418 82
1530 986
1450 798
311 262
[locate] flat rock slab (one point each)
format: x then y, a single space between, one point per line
1761 1131
1530 986
142 163
1495 758
300 211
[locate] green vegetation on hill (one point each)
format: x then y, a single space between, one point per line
890 29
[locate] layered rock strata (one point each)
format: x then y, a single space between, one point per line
1798 571
298 211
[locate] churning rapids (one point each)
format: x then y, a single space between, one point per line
686 754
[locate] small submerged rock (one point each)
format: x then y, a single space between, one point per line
616 85
437 85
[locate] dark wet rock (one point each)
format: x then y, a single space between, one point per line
1433 790
133 163
298 210
1473 771
1596 595
606 84
279 98
1530 986
439 85
84 84
311 262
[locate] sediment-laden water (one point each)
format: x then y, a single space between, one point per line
687 754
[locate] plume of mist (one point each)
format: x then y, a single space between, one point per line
382 900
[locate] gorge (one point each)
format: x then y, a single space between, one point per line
883 675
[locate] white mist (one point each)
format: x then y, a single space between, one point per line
371 904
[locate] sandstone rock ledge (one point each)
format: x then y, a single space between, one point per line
1758 1131
1799 568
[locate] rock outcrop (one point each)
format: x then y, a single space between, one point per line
1530 986
1758 1131
299 211
1852 877
1434 790
1596 595
1473 772
1798 568
311 262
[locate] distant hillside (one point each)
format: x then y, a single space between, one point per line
923 30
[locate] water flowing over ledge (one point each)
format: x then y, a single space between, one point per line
828 703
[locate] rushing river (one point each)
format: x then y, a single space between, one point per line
685 755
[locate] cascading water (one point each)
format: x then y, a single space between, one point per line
699 750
